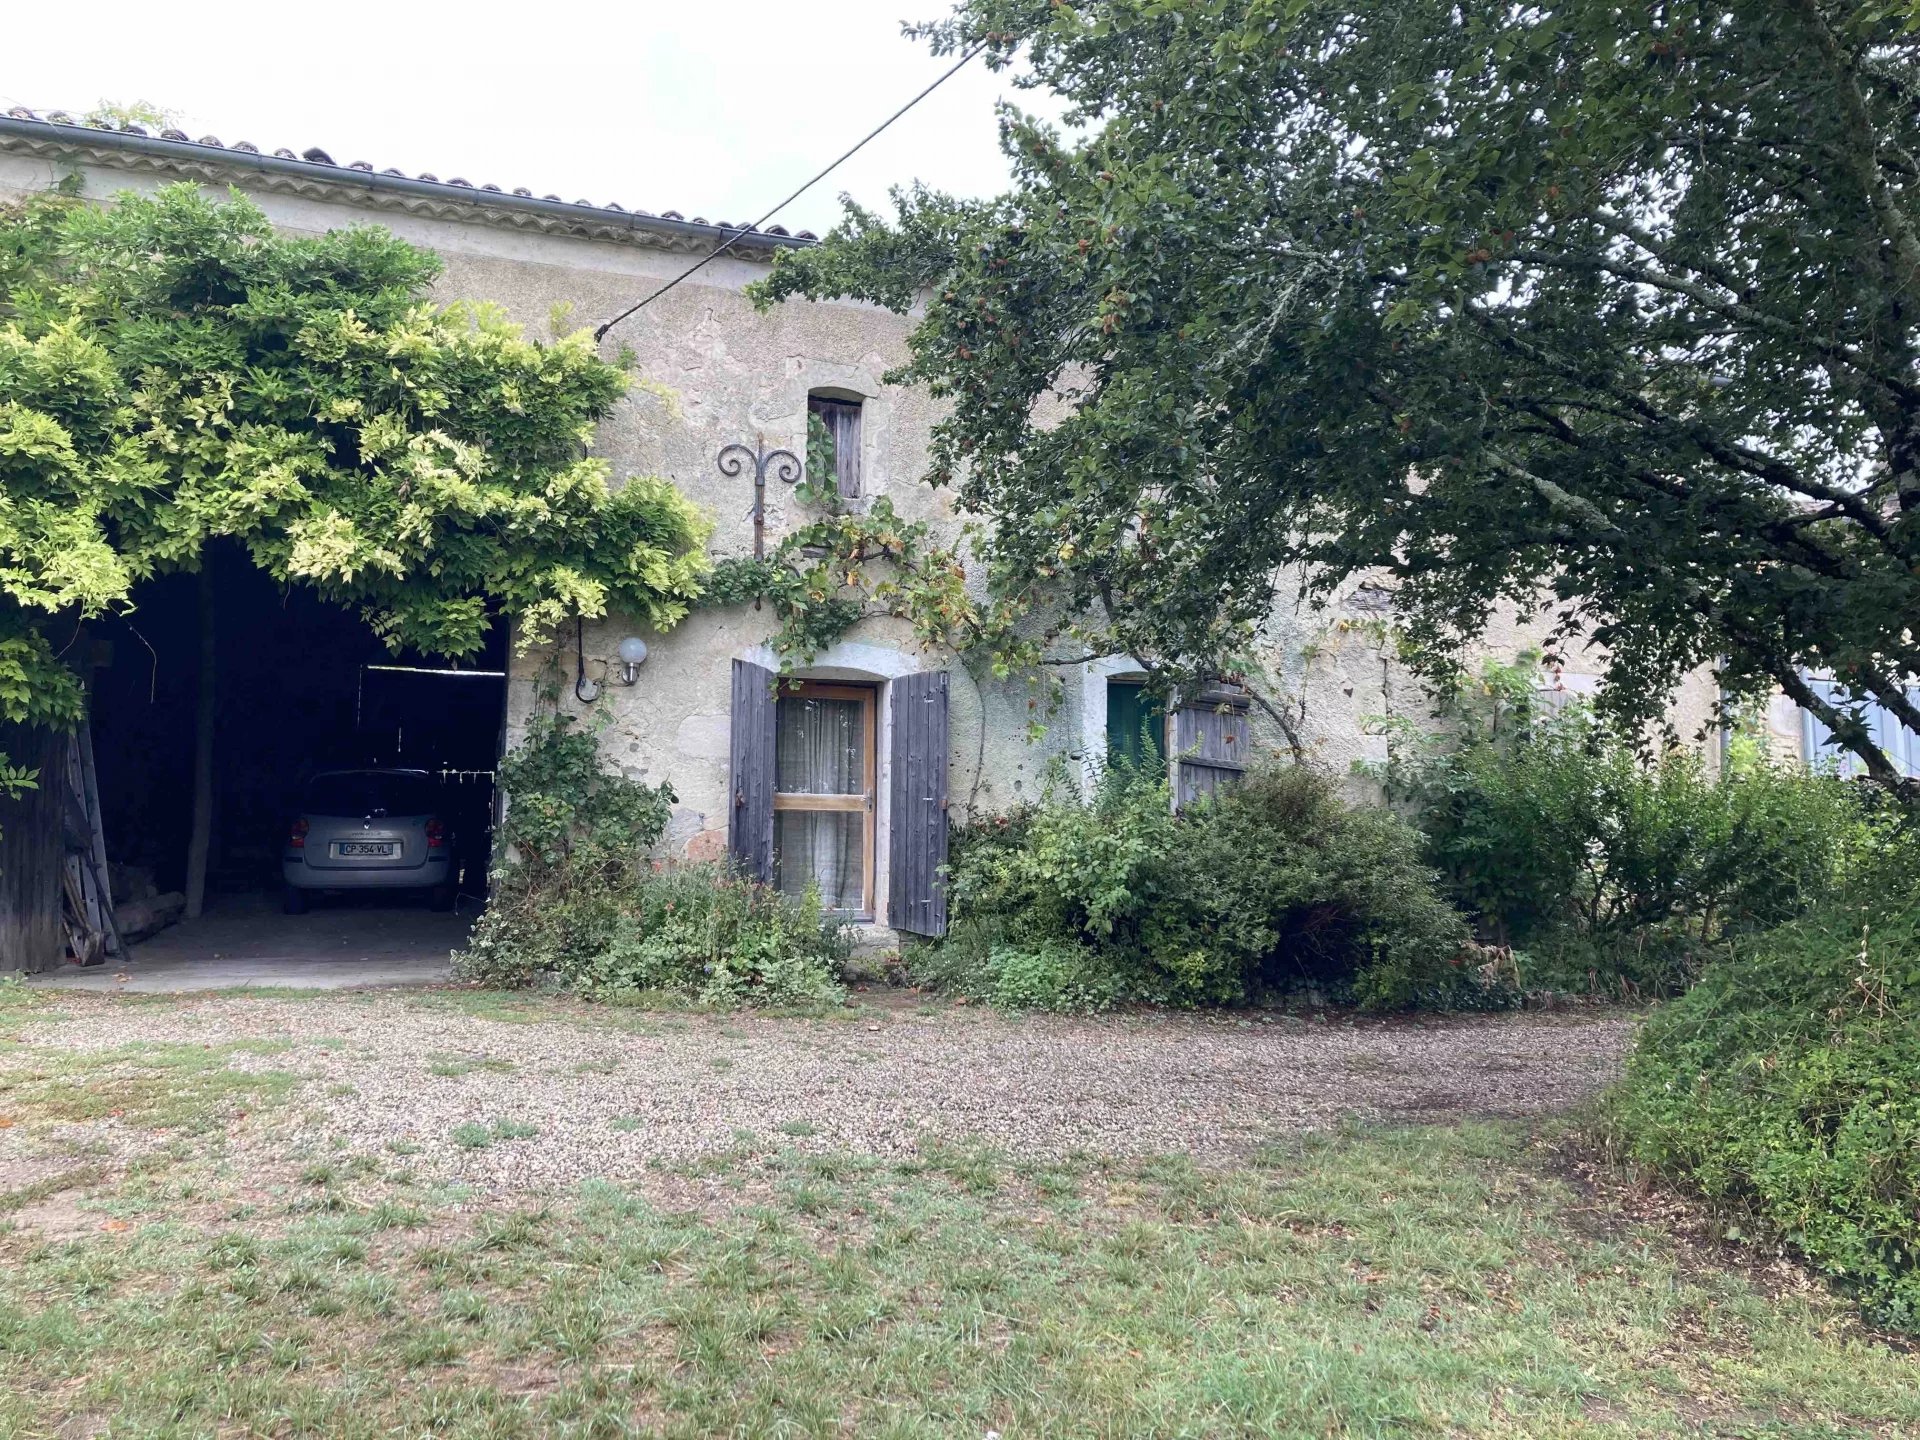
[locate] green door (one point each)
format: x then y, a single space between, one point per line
1136 724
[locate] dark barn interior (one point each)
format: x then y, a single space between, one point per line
301 685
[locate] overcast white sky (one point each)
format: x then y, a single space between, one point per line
712 109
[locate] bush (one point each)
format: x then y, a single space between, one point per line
1271 886
1558 837
1052 975
575 894
696 930
1787 1081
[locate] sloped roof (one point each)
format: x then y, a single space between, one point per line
315 171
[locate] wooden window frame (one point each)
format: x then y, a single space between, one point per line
863 804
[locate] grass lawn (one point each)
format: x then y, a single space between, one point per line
1453 1280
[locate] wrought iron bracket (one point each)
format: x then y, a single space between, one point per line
733 461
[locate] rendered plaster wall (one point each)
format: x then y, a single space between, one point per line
728 374
1341 663
1335 671
733 374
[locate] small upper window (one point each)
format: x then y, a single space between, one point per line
842 421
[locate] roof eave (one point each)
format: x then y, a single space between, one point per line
189 155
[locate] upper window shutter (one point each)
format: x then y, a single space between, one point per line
917 802
842 419
750 770
1210 742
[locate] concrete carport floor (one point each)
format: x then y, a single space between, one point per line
244 941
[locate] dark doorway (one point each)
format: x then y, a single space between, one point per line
301 685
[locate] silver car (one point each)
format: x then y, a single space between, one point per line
368 830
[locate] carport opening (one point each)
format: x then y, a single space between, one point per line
301 686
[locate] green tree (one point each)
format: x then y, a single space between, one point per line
1608 302
173 371
118 114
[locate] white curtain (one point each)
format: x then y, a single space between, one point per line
821 750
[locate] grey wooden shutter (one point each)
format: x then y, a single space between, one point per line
1210 743
750 770
846 450
842 419
917 805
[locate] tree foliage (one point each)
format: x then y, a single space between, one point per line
173 371
1607 302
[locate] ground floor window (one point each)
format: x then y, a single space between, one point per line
823 793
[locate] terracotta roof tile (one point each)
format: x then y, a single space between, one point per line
314 155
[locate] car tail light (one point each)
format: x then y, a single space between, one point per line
436 834
297 836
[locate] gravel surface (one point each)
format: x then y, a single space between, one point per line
613 1094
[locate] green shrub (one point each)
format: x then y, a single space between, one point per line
1271 886
1559 837
696 930
565 812
1787 1082
575 894
1052 975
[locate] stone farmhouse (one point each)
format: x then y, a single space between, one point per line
850 779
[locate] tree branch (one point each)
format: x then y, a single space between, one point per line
1732 454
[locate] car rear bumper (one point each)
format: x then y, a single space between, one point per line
302 876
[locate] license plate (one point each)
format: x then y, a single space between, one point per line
347 849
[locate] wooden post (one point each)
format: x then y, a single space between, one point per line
32 853
200 840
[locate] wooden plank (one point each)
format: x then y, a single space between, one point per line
94 899
1211 737
32 854
96 857
797 801
86 941
870 775
917 797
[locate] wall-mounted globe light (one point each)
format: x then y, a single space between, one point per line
633 654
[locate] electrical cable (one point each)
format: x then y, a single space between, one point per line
728 243
581 690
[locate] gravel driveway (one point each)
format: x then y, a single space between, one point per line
569 1094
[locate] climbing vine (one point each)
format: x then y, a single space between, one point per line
847 565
